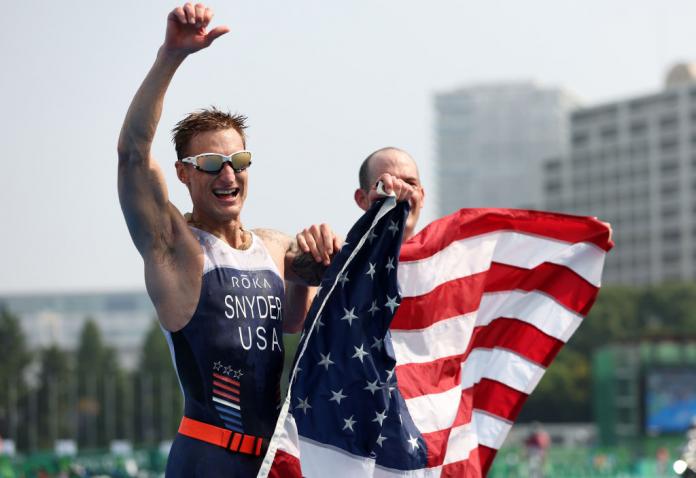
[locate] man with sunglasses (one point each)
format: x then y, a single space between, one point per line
219 289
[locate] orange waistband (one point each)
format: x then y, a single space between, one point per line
237 442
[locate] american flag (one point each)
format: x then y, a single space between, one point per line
484 300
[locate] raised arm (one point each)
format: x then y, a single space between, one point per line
173 259
142 191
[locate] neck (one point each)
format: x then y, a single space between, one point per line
232 232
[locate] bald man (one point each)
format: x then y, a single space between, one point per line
399 173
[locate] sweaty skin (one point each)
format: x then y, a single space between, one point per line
172 256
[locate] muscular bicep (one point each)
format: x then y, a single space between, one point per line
144 200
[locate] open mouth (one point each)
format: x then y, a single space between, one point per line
226 193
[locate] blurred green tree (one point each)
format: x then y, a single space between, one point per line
56 387
99 384
16 359
160 399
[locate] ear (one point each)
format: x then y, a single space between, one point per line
361 199
181 172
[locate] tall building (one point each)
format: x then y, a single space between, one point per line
633 163
491 142
122 317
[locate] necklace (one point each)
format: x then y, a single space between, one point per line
246 235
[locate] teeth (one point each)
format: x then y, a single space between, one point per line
225 191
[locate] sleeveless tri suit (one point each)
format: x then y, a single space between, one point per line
229 359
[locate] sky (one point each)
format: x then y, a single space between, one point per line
323 84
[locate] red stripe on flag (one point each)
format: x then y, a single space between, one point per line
436 442
564 285
226 379
417 379
519 337
226 395
453 298
498 399
285 465
473 222
463 295
226 387
486 455
469 468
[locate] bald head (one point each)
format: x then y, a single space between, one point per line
380 161
399 164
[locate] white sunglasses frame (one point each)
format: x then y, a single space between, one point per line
193 160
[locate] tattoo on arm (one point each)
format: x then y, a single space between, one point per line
306 268
302 265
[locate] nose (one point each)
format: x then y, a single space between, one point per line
227 172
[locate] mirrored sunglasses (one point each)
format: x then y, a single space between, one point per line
212 163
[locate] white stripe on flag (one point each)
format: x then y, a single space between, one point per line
491 430
420 277
319 459
452 336
462 441
535 308
503 366
436 411
512 248
442 339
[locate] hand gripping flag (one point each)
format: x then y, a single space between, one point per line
418 367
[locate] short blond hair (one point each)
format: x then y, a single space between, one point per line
206 119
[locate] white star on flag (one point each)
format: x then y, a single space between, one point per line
380 417
337 396
350 316
304 405
371 271
325 360
359 352
392 304
349 423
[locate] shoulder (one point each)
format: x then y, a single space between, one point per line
280 246
274 239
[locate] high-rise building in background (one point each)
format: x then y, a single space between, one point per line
57 319
633 163
491 141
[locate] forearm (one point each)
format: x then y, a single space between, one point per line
142 118
298 299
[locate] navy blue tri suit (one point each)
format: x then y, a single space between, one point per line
229 359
